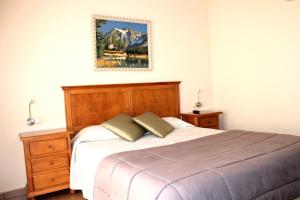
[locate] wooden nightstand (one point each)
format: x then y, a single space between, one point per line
205 119
47 157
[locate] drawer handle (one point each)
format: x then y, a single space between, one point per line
51 147
51 162
208 122
52 179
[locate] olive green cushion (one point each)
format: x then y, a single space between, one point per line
123 126
154 124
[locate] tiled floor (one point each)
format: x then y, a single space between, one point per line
61 195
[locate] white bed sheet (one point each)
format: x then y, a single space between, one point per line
87 155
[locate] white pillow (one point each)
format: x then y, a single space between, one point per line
177 123
94 133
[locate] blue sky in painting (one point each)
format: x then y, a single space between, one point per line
110 24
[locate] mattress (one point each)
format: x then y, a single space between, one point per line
87 155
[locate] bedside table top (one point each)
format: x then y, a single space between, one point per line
32 134
203 113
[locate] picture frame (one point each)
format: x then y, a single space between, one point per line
121 44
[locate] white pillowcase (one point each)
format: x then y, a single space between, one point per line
98 132
94 133
177 123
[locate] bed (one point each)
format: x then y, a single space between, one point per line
190 163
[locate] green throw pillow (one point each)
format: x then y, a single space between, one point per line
123 126
154 124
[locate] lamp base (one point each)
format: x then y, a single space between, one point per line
196 111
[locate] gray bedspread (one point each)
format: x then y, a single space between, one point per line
234 165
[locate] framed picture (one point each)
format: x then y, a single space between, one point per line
121 43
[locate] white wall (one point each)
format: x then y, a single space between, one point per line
47 44
256 63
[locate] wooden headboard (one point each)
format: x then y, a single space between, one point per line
94 104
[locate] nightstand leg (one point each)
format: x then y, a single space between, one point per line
72 191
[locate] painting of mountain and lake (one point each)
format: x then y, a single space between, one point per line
121 43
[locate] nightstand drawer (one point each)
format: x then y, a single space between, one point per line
50 179
48 146
191 120
205 119
209 122
49 163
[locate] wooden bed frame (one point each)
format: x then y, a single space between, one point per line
94 104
